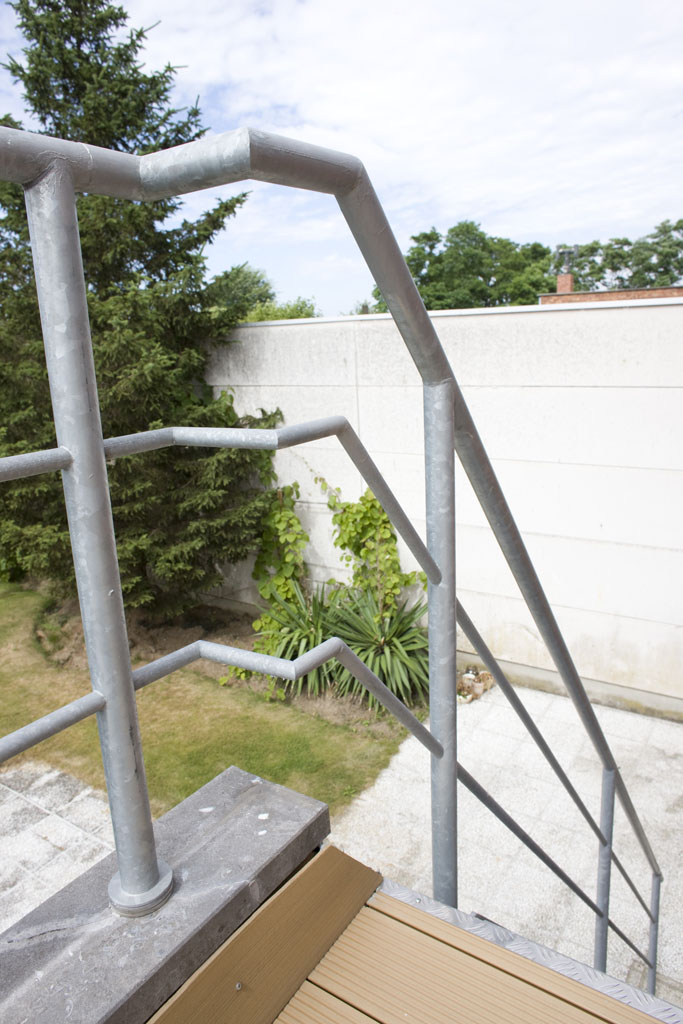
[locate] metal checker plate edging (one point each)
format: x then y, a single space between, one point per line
657 1008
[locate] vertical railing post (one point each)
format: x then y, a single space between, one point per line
142 882
440 493
604 869
654 929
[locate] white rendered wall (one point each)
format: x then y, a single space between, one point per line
581 411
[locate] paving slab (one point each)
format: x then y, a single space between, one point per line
52 828
388 827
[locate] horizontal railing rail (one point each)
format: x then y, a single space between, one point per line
17 466
266 664
49 725
13 467
288 437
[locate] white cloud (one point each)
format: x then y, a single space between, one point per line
537 121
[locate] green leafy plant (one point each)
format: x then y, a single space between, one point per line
368 616
279 571
280 565
293 627
392 644
367 538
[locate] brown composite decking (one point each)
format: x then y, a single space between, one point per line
327 949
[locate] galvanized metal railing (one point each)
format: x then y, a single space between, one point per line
52 171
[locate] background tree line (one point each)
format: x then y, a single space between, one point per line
466 268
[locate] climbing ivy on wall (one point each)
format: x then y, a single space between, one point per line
371 614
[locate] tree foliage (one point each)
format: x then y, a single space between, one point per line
653 261
250 297
295 309
178 513
466 268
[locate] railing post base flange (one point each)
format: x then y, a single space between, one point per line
130 904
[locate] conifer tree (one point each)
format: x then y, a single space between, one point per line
178 513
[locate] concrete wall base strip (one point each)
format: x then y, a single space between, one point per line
644 702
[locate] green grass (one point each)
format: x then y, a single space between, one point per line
191 727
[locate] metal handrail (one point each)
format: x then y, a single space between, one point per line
276 440
484 797
283 668
520 710
33 463
52 171
30 464
477 465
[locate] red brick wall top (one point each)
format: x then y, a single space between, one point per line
672 292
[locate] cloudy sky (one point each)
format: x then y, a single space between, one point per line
557 123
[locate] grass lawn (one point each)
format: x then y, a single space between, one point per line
192 728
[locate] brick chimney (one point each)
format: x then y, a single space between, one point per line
565 284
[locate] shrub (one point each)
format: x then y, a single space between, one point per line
369 617
364 533
392 644
293 627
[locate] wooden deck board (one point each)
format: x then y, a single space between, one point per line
271 954
313 1005
328 949
394 973
604 1007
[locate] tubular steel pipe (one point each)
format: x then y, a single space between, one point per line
370 228
631 945
26 156
440 491
389 700
266 664
243 154
604 869
485 798
631 884
42 728
654 929
508 690
247 153
478 467
141 883
14 467
405 529
287 437
477 641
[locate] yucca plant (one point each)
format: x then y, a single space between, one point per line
293 627
392 644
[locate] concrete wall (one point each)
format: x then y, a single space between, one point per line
581 410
